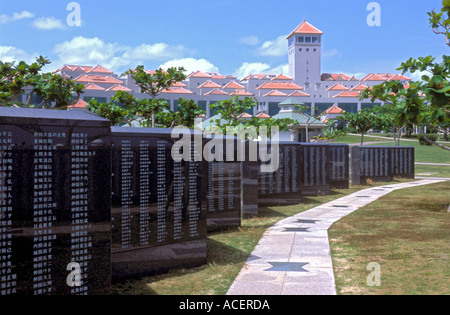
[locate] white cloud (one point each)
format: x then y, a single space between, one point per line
48 23
158 51
191 65
10 54
92 51
86 51
249 40
284 69
4 19
417 76
274 48
258 67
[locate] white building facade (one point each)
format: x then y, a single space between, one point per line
305 80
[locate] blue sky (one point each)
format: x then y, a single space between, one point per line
226 36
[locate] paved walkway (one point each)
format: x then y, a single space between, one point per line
293 257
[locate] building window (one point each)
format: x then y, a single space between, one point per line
291 41
300 39
307 49
315 49
300 49
307 39
315 39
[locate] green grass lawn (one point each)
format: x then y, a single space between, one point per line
227 253
424 154
350 139
409 237
433 171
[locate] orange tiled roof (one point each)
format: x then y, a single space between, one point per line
80 104
384 77
118 88
65 67
100 69
334 110
336 77
282 77
233 85
377 77
177 91
280 86
262 115
92 86
199 74
97 79
179 84
241 92
209 85
348 94
299 94
399 77
275 93
245 115
338 87
306 28
359 87
217 92
259 76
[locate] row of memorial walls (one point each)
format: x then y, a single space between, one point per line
304 170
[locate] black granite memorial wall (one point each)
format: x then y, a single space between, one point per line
339 155
375 164
315 169
250 202
55 231
381 164
223 184
282 186
158 207
403 162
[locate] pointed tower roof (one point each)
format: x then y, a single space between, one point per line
306 28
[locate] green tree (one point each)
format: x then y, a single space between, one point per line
440 22
154 83
187 112
115 113
122 109
231 109
362 121
391 116
53 90
423 103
